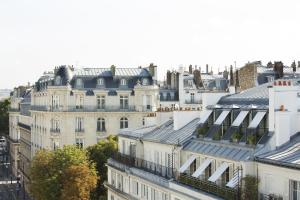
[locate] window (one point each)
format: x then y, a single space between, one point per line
144 191
100 102
123 146
79 100
145 81
113 178
55 125
79 143
100 124
55 102
79 124
55 144
123 123
79 83
294 190
123 82
154 194
135 187
143 122
100 81
192 97
112 197
58 80
190 83
164 196
123 102
120 182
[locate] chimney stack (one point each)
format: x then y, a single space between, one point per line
207 68
190 69
113 70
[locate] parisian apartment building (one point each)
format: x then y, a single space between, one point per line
253 133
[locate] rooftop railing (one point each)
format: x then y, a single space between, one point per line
193 101
94 108
157 169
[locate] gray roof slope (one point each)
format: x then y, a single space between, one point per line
164 133
106 72
287 154
216 149
167 135
256 95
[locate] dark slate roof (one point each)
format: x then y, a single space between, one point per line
221 150
165 133
89 76
287 155
258 95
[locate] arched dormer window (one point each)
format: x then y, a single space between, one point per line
123 82
145 81
100 81
79 83
123 123
100 124
58 80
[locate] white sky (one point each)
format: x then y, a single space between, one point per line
36 35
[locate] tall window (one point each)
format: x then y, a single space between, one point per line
58 80
79 124
123 123
100 102
113 178
144 191
135 187
55 102
123 82
55 144
294 190
100 81
192 97
100 124
79 142
79 100
79 83
120 182
55 125
123 102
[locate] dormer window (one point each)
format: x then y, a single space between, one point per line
58 80
100 81
145 81
79 83
123 82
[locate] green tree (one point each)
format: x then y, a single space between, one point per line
4 116
249 187
54 173
99 153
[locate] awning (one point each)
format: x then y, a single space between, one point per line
205 115
256 120
187 163
234 181
202 167
240 118
218 172
222 117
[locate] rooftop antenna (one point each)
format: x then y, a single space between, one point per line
235 65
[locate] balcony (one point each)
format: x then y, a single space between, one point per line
14 110
193 101
79 132
157 169
209 187
85 109
55 132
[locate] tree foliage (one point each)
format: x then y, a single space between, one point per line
99 153
250 187
64 171
4 116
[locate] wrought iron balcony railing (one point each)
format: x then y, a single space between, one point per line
193 101
157 169
94 108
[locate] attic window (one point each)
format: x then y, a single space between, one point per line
123 82
100 81
58 80
79 83
145 81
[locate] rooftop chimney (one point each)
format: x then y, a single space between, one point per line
207 68
190 69
113 70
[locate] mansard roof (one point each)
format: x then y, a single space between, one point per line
287 155
67 75
164 133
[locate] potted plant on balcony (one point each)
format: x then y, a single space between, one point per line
216 136
236 136
201 132
251 139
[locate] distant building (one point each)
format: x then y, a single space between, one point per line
183 89
254 74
